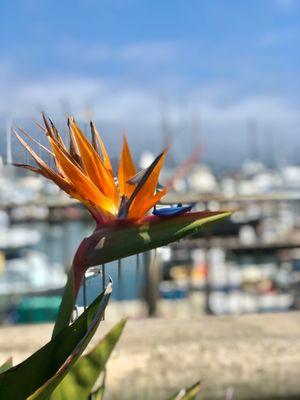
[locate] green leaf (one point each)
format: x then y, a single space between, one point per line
109 244
6 365
187 394
66 306
80 380
37 376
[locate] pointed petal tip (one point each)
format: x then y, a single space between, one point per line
124 137
45 117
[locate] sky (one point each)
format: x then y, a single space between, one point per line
199 71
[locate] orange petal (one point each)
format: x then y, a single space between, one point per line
45 169
149 188
105 156
94 166
50 174
84 186
126 170
52 132
137 211
74 151
34 141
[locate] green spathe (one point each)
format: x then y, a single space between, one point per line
110 244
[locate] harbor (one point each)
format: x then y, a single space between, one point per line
247 264
149 200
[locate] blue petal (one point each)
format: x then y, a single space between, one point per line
172 211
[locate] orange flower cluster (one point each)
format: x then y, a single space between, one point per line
83 170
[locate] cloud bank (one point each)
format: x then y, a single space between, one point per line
150 102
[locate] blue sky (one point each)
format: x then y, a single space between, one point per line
211 63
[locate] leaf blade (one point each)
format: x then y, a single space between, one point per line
37 376
79 382
187 394
6 365
66 306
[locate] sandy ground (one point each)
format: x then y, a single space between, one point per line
258 356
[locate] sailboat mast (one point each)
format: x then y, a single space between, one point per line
8 141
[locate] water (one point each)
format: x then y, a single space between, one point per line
60 241
127 286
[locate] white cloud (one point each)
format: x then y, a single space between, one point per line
143 52
111 102
148 52
136 106
223 109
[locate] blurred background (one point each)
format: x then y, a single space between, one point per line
221 75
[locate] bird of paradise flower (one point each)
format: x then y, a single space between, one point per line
84 171
119 204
